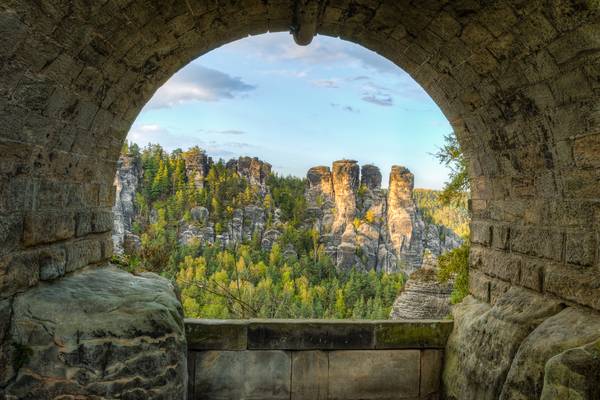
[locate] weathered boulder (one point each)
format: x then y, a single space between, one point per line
481 349
573 374
99 333
568 329
423 297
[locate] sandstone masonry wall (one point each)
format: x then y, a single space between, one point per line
315 359
518 80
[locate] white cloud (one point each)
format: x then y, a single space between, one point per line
223 132
195 82
378 98
326 83
345 108
155 133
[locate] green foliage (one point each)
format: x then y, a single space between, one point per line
288 195
245 280
455 265
451 155
436 211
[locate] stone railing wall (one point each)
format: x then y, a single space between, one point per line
314 360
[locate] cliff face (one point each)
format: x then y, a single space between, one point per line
245 223
360 225
127 180
364 226
253 170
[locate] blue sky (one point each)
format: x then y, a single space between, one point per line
297 107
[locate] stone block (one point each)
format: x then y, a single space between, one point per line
11 228
579 286
47 227
497 289
499 264
586 151
5 315
216 334
532 274
83 252
310 375
52 262
500 237
537 242
102 221
431 372
412 334
580 248
243 375
309 335
374 374
479 285
16 194
83 223
481 233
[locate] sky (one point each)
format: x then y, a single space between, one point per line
298 107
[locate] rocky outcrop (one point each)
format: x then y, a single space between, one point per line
127 180
99 333
364 226
423 296
253 170
573 374
535 348
197 165
360 224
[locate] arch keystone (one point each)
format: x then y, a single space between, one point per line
307 14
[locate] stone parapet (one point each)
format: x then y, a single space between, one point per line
315 359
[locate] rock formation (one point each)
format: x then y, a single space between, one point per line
536 347
254 170
422 296
127 180
360 225
197 165
97 332
363 226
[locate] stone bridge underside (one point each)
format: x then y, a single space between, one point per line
519 80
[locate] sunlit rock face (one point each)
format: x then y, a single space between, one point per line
127 180
360 225
345 177
365 227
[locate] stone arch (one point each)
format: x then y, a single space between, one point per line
518 80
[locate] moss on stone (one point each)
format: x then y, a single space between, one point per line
413 335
